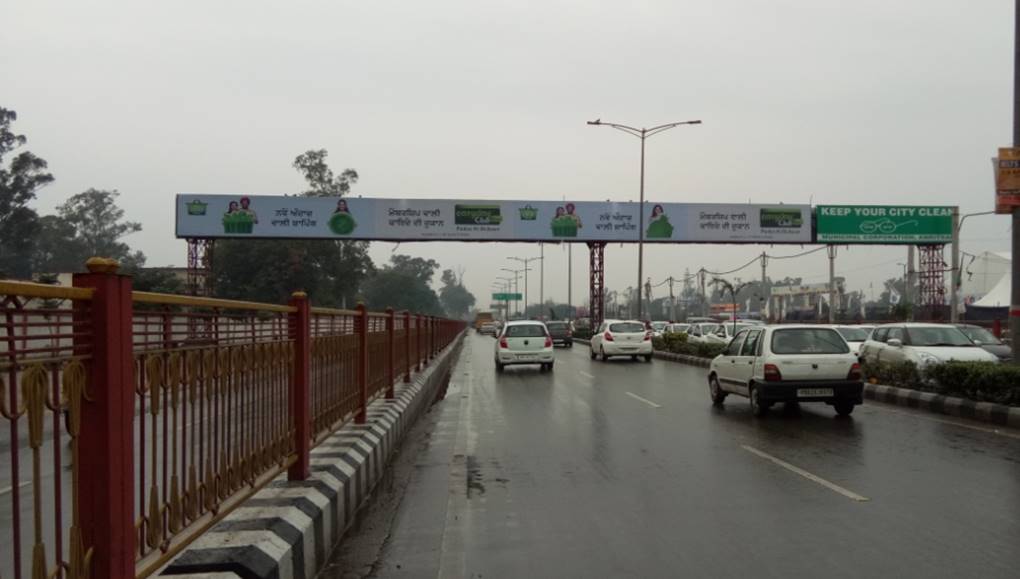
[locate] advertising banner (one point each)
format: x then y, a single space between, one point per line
252 216
504 297
884 224
1007 180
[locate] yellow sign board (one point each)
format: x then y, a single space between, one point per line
1007 180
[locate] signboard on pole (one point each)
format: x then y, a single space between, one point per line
884 224
251 216
505 297
1007 180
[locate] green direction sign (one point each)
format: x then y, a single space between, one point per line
884 224
506 297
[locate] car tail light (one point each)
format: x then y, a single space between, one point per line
503 344
607 337
570 333
855 372
548 342
648 336
772 373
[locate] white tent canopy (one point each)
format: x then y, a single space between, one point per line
998 297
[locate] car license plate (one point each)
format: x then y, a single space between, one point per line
526 356
811 392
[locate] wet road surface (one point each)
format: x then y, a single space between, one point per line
624 469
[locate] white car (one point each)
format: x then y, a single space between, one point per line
622 338
698 333
677 329
658 328
524 342
725 332
788 363
922 344
855 336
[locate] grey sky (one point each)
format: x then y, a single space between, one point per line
868 101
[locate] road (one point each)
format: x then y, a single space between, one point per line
624 469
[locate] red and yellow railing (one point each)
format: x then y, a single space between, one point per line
138 420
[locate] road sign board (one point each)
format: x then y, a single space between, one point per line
884 224
1007 180
505 297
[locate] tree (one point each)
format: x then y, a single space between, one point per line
89 224
321 180
404 285
455 298
19 182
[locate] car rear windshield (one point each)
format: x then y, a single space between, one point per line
525 331
808 341
933 336
853 334
626 328
556 325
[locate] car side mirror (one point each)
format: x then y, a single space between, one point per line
895 342
977 342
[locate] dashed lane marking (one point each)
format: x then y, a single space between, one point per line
811 477
645 400
586 375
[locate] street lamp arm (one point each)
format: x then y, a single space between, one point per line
667 126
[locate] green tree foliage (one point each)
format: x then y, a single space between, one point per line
455 298
89 224
404 284
19 181
270 270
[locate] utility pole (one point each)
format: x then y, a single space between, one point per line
687 293
832 284
1014 308
672 301
570 273
648 296
954 287
704 295
541 280
766 299
911 282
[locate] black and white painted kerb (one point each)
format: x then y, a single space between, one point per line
287 530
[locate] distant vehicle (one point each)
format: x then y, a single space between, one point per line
658 328
725 332
524 342
700 320
561 332
987 341
922 344
489 329
482 318
622 338
791 364
677 328
855 336
698 333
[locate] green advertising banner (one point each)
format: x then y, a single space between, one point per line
506 297
884 224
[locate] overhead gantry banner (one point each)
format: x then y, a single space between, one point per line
365 218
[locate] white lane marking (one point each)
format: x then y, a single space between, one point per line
645 400
882 406
6 490
814 478
586 375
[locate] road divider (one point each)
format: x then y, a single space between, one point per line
811 477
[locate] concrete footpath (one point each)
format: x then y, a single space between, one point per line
988 412
288 529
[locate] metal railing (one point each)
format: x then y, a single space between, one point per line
136 420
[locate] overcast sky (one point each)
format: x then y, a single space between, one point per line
802 101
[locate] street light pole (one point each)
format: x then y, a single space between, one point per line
956 278
643 134
526 261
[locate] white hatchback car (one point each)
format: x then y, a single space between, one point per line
789 363
699 333
524 342
922 344
622 338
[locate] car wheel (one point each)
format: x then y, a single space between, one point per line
499 367
634 357
648 357
550 366
603 351
715 389
570 344
757 407
844 408
591 352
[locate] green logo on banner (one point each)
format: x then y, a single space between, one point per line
477 215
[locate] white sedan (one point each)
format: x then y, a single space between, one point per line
922 344
524 342
622 338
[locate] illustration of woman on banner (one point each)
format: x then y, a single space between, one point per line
342 222
565 223
658 224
